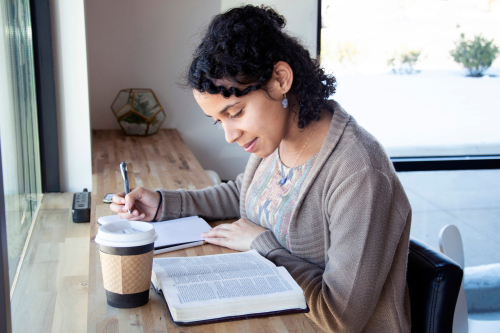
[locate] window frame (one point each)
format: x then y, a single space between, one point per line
5 314
45 95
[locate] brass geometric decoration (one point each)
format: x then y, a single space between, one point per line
138 111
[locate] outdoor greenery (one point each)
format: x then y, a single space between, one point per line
475 55
406 63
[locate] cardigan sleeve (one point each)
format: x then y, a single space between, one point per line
343 295
217 202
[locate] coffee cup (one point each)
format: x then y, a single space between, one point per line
126 253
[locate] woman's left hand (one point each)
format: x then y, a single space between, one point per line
237 235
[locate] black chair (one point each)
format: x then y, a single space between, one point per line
434 282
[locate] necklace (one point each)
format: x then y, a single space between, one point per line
284 177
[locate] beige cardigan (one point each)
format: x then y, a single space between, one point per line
349 233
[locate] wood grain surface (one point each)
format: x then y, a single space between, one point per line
61 287
52 291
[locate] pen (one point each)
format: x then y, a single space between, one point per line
123 168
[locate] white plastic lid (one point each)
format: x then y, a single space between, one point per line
126 234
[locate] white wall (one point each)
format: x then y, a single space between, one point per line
148 44
70 71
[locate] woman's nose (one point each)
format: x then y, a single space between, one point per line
232 134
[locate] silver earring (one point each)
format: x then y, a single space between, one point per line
285 101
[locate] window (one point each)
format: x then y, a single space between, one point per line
18 128
397 78
396 75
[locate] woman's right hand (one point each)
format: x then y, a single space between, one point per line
142 203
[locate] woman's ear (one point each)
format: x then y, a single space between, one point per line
282 77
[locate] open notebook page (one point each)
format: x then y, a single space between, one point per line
178 231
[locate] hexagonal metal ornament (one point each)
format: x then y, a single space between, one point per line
138 111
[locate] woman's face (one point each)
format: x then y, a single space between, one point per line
257 121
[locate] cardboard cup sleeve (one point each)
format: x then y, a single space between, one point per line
126 274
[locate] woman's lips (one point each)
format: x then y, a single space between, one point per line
249 147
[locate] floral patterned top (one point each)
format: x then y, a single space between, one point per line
271 197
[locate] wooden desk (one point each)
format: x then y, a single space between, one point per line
162 160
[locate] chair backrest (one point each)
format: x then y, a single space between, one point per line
214 177
434 283
450 243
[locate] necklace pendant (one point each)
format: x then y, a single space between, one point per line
283 180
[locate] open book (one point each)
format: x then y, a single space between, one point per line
224 287
173 234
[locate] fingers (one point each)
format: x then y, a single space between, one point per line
119 198
123 212
139 204
216 241
135 216
216 233
120 209
220 235
123 203
217 236
135 194
117 208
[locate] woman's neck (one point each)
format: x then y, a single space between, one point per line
300 144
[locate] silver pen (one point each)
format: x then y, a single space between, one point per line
123 168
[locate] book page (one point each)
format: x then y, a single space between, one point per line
186 266
211 279
257 283
184 230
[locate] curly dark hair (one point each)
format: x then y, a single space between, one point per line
242 46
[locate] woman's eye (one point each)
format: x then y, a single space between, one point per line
237 114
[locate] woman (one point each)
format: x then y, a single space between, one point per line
319 195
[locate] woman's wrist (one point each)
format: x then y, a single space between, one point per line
159 208
173 209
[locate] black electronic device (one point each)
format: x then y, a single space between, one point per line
81 206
